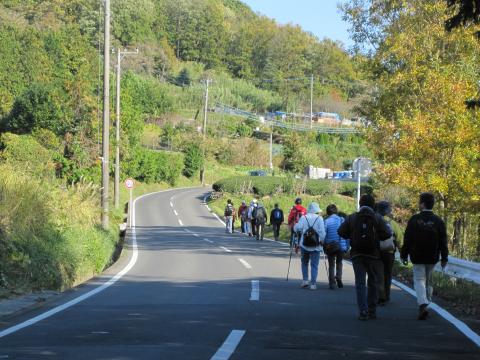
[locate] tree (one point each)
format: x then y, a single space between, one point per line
184 78
468 14
193 160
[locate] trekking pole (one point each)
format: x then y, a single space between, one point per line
290 260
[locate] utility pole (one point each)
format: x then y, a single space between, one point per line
271 147
116 190
311 102
202 171
106 117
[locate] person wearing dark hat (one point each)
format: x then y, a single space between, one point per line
366 229
387 250
295 214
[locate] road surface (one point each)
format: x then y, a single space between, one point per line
196 292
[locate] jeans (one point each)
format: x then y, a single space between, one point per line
422 281
259 231
314 258
229 223
386 277
367 290
335 260
276 230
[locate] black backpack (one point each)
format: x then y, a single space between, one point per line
229 211
310 237
364 238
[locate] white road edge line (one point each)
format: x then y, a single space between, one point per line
175 212
246 264
196 235
180 222
225 249
229 346
93 292
171 204
460 325
255 295
209 241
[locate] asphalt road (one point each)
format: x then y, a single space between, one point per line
192 286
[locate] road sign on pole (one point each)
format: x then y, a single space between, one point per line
129 183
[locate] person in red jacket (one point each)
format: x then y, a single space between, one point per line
296 213
242 215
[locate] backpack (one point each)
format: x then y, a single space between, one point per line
277 215
310 237
389 244
364 238
260 215
229 211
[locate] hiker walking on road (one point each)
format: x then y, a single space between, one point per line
312 234
365 229
294 216
334 247
243 215
229 214
250 217
387 250
276 220
425 240
260 216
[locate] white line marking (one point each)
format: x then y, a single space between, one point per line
460 325
229 346
196 235
171 204
100 332
225 249
219 219
188 231
246 264
255 295
209 241
175 212
180 222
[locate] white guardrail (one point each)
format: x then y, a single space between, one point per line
462 269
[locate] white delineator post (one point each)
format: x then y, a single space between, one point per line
359 177
129 183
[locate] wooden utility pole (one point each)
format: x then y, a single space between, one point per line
311 102
106 117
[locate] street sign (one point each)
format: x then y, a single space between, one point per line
129 183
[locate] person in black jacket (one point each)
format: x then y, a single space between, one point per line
365 229
276 220
425 239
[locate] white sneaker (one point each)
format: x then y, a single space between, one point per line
305 284
313 287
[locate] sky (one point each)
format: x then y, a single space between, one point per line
320 17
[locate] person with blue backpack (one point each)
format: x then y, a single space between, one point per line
276 220
334 247
312 233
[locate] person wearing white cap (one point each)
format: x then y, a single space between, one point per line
312 230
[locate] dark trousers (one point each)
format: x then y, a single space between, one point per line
233 225
386 276
254 227
367 290
335 261
242 225
276 230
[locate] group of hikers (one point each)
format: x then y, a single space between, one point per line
369 238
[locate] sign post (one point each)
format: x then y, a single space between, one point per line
363 167
129 185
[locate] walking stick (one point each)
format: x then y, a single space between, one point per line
290 260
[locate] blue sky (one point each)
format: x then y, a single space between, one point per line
320 17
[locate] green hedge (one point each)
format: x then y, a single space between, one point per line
263 186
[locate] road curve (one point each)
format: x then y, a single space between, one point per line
196 292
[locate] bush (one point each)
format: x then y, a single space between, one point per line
154 166
193 161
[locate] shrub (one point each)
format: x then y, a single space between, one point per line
193 160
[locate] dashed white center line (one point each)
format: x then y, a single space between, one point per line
225 249
196 235
255 295
209 241
175 212
180 222
229 346
171 204
244 263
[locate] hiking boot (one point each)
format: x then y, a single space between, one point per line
313 287
372 315
305 284
382 302
363 316
422 312
331 286
339 283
